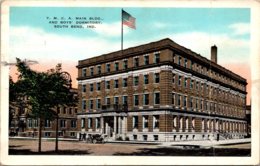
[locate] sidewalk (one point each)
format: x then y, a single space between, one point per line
207 143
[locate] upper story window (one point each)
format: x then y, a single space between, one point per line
185 62
156 77
116 84
136 100
84 72
84 89
47 123
179 80
146 59
146 79
82 122
135 121
178 99
185 101
136 80
125 64
185 82
136 62
116 66
58 110
108 67
98 86
145 121
64 110
191 84
156 121
116 100
124 82
84 105
157 57
108 101
91 87
98 103
146 99
91 71
173 78
107 84
191 65
156 98
124 100
179 60
99 69
91 104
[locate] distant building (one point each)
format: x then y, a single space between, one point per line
23 124
160 91
248 119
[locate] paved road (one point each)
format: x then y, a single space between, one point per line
18 146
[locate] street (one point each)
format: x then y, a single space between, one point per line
29 147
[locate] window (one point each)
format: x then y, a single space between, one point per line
108 101
145 121
173 78
185 62
107 67
91 87
173 98
145 137
116 66
72 134
156 121
136 100
157 98
73 123
125 64
84 72
97 123
75 110
191 65
146 79
91 71
47 123
197 85
124 82
185 101
179 61
47 134
156 77
90 122
179 81
82 122
191 84
185 82
115 83
62 123
146 59
174 122
70 110
157 57
136 62
58 110
124 100
197 103
179 100
136 80
64 110
29 122
135 121
99 69
84 88
90 104
116 100
98 103
84 106
191 102
146 99
107 84
98 86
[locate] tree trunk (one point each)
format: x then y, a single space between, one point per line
57 130
40 135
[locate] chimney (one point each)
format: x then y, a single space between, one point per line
214 56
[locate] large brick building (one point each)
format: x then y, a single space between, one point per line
160 91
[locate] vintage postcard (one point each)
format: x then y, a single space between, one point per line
130 82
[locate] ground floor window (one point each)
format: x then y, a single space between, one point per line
72 134
135 137
97 123
89 122
156 121
47 134
155 137
145 137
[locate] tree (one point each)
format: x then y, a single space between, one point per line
45 91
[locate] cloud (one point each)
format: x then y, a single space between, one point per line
240 28
160 25
36 44
229 49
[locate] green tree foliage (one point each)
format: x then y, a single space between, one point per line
44 90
